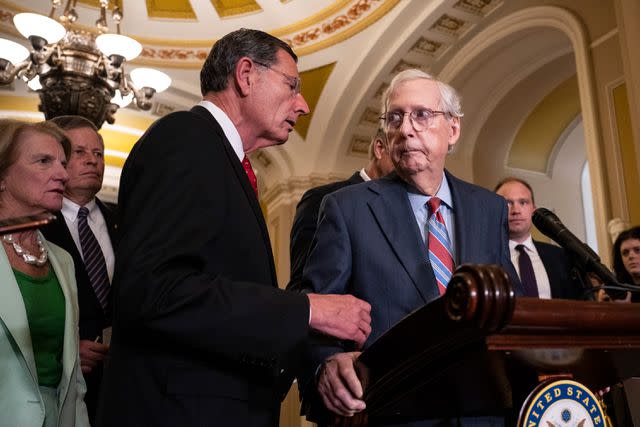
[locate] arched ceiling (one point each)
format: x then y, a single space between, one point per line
349 50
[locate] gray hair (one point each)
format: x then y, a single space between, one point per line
226 52
449 98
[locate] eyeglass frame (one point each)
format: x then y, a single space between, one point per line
293 81
432 115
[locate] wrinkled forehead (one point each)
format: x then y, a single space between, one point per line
415 93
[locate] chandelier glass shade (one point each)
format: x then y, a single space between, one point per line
78 71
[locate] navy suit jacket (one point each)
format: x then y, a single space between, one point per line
558 268
305 222
92 318
368 244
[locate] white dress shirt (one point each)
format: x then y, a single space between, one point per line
229 129
364 176
542 279
98 226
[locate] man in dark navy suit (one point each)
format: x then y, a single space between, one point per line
394 242
306 219
550 263
86 170
201 333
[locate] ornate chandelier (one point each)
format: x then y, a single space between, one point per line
73 70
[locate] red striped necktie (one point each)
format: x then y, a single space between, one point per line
439 245
246 164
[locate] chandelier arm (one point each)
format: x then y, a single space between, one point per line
9 74
143 97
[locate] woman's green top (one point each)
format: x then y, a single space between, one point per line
45 306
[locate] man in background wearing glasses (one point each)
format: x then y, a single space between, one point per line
395 242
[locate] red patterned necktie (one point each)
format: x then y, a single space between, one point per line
439 246
252 176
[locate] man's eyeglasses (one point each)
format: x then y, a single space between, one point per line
294 82
421 118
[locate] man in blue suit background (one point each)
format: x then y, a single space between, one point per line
394 242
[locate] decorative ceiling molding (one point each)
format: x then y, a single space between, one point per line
334 24
370 117
360 145
228 8
427 47
477 7
170 9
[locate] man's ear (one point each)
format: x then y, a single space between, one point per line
378 148
244 78
454 131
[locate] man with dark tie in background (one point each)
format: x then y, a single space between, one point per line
201 333
394 242
86 228
306 218
544 269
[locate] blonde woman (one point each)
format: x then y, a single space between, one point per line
40 379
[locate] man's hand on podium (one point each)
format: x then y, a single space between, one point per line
339 386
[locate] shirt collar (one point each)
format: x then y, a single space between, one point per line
363 175
528 243
229 129
70 208
418 199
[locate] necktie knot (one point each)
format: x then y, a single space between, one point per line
246 164
83 212
433 204
527 274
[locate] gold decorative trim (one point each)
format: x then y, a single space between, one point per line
225 11
188 54
278 32
351 31
179 10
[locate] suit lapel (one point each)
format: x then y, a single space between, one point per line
63 235
70 346
393 213
14 315
461 196
241 175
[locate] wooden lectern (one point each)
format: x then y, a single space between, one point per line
479 350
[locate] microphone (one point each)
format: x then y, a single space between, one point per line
551 226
